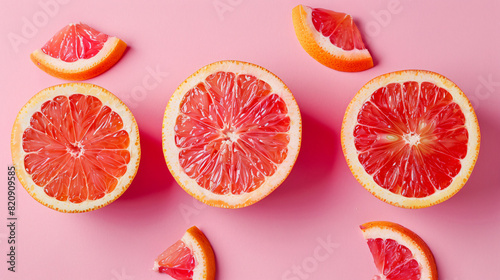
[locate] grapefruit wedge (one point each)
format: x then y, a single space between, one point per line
398 253
190 258
78 52
75 147
332 38
411 138
231 133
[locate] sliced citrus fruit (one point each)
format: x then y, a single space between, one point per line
398 253
411 138
331 38
78 52
75 147
231 133
191 257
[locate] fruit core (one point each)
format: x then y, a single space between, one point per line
76 149
230 134
412 138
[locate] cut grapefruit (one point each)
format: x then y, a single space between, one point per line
332 38
398 253
231 133
75 147
78 52
190 258
411 138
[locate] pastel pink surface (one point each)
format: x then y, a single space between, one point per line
321 200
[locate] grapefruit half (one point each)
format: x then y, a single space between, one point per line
75 147
231 133
411 138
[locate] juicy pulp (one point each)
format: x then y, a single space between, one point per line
177 261
339 28
76 148
393 260
411 138
74 42
232 130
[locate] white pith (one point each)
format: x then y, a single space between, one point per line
201 266
412 139
171 151
23 122
351 154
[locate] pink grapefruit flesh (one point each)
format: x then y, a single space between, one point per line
74 42
83 161
233 132
177 261
413 148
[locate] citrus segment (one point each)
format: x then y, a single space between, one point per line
235 135
393 260
411 138
78 52
177 261
332 38
335 26
72 149
438 140
190 258
74 42
398 253
71 159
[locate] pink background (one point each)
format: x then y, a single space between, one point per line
320 199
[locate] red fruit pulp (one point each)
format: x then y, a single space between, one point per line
76 148
339 27
233 132
177 261
74 42
394 260
411 137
